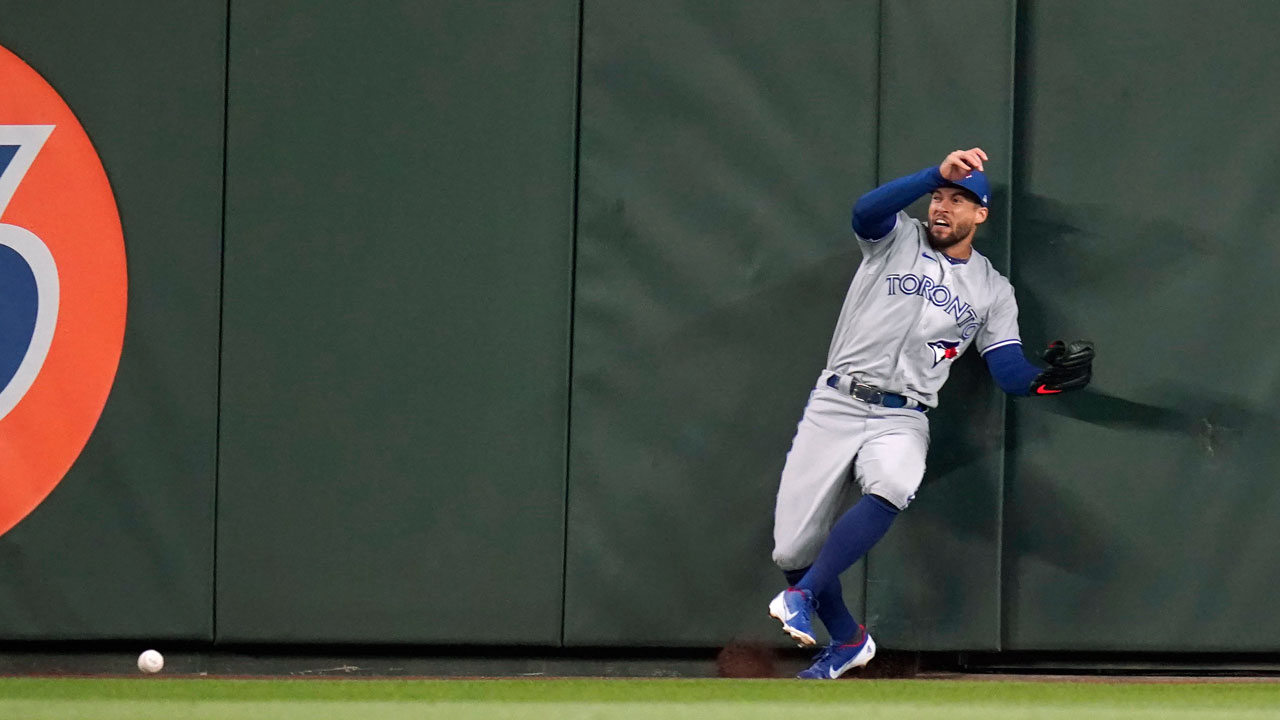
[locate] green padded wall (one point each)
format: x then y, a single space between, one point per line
123 547
395 365
1142 514
721 147
933 582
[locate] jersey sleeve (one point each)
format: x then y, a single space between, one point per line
1001 326
901 226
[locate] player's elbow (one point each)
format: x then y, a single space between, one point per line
867 224
859 220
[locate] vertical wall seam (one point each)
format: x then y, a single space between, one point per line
875 182
222 283
1015 176
573 285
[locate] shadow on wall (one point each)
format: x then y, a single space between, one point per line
1180 458
1107 247
966 435
1111 248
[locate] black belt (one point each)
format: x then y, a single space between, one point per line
875 396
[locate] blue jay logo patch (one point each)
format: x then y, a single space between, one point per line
944 350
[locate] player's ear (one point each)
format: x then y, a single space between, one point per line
980 216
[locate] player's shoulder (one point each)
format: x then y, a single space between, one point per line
983 265
903 225
995 280
913 228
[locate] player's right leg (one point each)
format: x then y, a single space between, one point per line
889 466
832 611
814 481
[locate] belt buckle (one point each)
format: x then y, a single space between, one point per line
866 393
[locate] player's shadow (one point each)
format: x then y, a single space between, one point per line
1058 561
1070 256
1078 246
1214 421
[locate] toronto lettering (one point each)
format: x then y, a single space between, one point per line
940 296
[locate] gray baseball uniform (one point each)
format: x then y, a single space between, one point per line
909 313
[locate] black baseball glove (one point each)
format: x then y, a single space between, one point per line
1070 368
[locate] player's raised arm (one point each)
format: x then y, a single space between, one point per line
875 213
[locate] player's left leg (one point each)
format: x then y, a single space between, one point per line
850 644
852 536
838 658
889 467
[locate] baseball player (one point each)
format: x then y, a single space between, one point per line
920 298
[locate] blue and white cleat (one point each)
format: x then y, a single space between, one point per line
794 609
836 660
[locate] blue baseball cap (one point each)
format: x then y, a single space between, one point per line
976 183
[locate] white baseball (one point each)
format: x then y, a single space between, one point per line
150 661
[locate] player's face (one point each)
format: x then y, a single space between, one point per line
953 216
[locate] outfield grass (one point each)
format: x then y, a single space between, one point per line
661 699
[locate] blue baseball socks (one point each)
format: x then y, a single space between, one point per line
832 611
852 536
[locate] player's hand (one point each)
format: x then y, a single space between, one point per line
961 163
1070 368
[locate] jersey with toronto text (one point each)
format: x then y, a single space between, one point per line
910 313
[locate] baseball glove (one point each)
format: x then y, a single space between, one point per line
1070 368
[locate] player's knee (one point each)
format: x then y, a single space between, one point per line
792 558
887 504
897 487
893 493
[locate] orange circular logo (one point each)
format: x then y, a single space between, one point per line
63 289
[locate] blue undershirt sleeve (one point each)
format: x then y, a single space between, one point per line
875 212
1011 370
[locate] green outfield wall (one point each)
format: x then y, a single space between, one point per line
489 323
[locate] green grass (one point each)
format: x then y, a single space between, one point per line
661 699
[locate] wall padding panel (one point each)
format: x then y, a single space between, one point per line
1142 514
722 145
123 546
395 367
